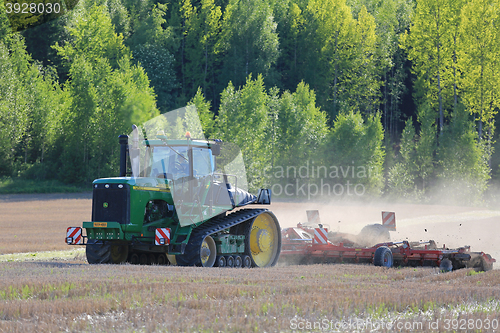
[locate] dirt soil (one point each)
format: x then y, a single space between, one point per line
38 222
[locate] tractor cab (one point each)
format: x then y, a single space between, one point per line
175 162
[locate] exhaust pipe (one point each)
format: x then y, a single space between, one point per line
123 139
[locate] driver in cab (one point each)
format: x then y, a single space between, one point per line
181 167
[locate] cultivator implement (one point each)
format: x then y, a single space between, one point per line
311 244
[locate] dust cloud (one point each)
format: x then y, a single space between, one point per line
452 226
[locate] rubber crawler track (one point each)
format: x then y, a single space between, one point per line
191 255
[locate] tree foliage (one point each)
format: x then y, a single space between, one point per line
463 167
356 148
294 83
108 94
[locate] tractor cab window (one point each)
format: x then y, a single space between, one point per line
202 162
174 163
167 163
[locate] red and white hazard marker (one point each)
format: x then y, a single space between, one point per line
320 236
389 220
74 236
162 236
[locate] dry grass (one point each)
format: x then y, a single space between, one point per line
31 222
70 295
75 296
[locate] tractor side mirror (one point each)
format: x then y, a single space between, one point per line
215 149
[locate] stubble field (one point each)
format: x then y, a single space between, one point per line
54 294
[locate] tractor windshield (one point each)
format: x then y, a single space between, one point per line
173 162
170 164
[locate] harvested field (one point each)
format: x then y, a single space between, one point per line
75 296
51 295
38 222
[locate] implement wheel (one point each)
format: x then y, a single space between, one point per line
446 265
479 264
383 257
263 240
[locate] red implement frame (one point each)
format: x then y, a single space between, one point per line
298 247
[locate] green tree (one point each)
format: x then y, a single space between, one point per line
463 171
401 176
14 103
479 61
93 34
4 24
301 127
411 175
107 93
340 59
153 46
200 29
29 105
364 84
430 48
210 16
243 120
159 66
249 43
291 32
392 18
206 115
191 52
120 17
330 47
149 25
426 146
356 148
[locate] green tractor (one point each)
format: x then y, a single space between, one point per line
178 200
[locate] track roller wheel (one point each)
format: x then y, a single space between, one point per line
383 257
237 262
263 240
247 262
134 259
152 260
99 252
162 259
221 261
143 259
229 261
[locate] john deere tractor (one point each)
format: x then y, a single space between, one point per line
178 200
